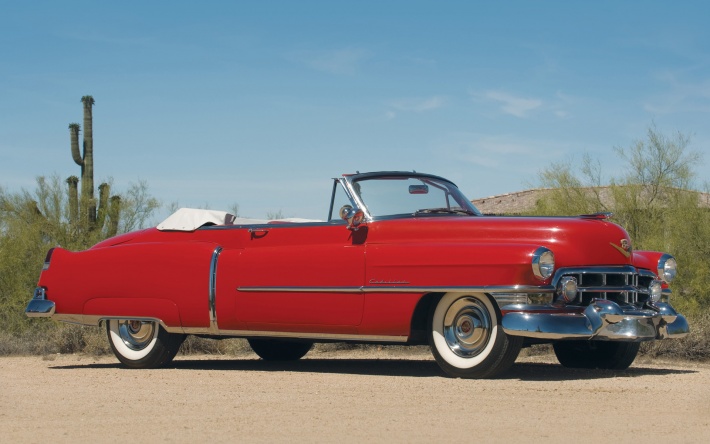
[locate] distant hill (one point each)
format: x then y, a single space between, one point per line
523 202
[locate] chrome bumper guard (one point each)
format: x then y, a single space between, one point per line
601 320
39 306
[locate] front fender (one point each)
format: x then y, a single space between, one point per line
452 264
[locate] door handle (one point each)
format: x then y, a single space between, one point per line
258 233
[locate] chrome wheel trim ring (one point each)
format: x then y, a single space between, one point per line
137 335
467 327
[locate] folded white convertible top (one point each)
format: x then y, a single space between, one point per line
190 219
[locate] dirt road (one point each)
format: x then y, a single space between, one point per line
346 397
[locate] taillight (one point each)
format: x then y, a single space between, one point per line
47 259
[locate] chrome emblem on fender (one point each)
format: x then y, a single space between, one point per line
624 247
387 282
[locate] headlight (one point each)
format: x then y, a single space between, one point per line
667 268
543 263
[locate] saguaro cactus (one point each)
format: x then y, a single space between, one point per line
83 208
73 183
114 211
87 165
104 190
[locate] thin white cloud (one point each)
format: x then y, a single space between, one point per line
421 61
498 152
419 105
511 104
680 97
346 61
562 103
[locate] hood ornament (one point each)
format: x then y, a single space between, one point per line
624 247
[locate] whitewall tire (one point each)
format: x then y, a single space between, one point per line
142 344
466 338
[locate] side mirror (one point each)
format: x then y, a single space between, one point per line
353 216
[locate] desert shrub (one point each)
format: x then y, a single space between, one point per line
694 347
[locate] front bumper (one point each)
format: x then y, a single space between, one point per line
601 320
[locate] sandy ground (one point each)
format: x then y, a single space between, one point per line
351 396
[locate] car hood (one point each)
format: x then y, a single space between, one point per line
574 240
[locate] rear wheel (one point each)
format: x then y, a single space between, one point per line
279 350
142 344
596 354
467 340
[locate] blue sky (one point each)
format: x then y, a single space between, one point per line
261 103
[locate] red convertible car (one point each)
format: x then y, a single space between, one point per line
403 258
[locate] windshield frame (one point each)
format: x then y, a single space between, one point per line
350 182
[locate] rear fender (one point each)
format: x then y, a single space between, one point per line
166 281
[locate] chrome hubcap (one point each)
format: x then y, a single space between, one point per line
467 327
136 335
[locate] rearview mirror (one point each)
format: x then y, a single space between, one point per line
418 189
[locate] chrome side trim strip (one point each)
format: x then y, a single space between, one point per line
296 335
94 320
492 289
302 289
213 290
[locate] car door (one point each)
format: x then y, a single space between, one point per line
301 277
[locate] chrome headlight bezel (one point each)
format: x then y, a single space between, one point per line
543 263
667 268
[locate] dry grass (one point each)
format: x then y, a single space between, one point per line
694 347
62 338
201 346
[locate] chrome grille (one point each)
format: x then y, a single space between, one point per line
623 285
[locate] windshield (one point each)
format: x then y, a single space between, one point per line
418 196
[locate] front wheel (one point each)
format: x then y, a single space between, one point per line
467 340
142 344
596 354
279 350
